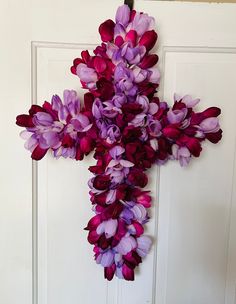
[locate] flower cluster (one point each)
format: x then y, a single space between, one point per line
130 129
63 127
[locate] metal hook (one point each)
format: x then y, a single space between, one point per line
130 3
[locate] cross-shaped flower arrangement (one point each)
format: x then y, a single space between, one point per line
129 128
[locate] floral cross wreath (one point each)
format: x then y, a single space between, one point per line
128 127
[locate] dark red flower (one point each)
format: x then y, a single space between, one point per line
128 273
193 144
109 272
214 137
88 101
93 237
67 141
132 108
164 149
24 120
139 154
99 199
35 109
148 61
112 211
101 182
79 154
148 39
99 168
137 178
103 242
131 134
105 89
106 30
211 112
197 118
147 88
132 259
38 153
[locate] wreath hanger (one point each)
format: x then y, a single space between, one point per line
130 3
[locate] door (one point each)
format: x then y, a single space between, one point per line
45 257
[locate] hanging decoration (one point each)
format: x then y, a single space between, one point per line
129 128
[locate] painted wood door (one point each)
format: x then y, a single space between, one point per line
45 257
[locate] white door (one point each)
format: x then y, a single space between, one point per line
45 257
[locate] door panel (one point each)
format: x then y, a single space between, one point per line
198 200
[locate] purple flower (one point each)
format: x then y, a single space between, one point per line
108 227
133 55
176 116
110 110
142 23
126 244
154 128
119 99
127 215
87 75
42 119
144 245
154 75
140 213
182 154
116 152
114 53
123 15
97 108
140 75
187 99
118 168
210 125
124 79
106 258
112 134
